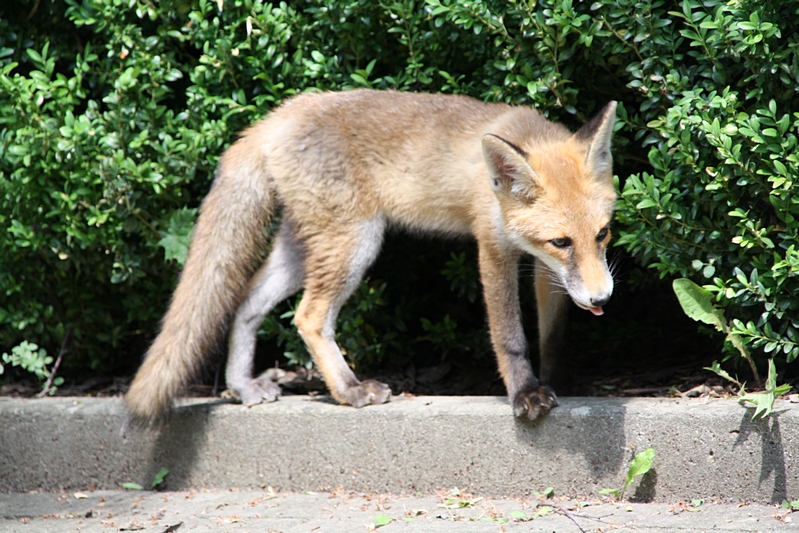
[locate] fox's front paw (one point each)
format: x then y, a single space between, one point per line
367 392
255 391
535 403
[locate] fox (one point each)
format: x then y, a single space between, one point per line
343 167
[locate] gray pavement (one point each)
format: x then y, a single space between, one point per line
215 511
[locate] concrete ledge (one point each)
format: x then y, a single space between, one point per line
708 450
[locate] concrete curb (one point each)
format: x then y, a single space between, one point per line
709 450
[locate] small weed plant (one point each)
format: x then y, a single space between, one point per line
697 302
32 359
158 480
640 465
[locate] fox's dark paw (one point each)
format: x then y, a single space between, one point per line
255 391
366 393
535 403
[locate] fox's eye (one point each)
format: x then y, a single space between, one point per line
602 234
563 242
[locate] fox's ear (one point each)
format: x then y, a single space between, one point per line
508 169
597 133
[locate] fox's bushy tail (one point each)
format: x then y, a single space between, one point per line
226 241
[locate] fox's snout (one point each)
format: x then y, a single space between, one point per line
599 301
591 297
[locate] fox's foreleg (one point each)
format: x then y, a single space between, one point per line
552 303
499 272
279 277
335 260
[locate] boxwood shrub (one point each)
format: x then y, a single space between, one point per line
113 114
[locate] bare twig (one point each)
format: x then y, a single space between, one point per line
645 390
56 365
571 516
34 10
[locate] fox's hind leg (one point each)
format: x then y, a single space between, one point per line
335 261
279 277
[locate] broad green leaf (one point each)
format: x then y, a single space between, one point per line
175 241
764 401
159 477
641 464
646 203
697 303
382 520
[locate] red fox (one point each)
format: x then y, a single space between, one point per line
343 167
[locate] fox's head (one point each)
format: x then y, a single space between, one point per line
556 198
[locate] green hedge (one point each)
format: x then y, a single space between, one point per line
113 114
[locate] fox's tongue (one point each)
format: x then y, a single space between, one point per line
597 310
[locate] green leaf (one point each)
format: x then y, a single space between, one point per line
645 203
360 80
641 464
697 303
382 520
544 510
716 368
519 515
764 401
132 486
794 505
35 57
159 477
175 241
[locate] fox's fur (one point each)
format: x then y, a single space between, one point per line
345 166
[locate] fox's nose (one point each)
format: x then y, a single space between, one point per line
601 300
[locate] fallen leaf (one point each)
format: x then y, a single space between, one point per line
382 520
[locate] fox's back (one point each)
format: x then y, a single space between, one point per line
413 158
